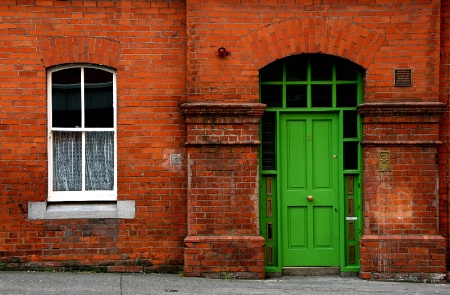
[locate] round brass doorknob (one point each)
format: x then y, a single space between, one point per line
310 198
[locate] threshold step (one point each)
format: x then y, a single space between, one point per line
311 271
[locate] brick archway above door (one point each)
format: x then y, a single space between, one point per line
313 35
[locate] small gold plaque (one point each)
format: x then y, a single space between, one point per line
384 161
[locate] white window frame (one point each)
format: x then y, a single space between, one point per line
83 195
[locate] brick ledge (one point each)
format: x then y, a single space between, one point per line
215 109
401 108
402 237
203 239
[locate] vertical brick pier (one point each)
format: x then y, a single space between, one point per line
222 208
401 238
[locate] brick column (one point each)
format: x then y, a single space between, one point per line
401 238
223 215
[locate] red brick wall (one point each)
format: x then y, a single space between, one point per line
403 257
145 42
444 96
378 36
401 220
223 214
165 53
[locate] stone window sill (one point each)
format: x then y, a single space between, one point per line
72 210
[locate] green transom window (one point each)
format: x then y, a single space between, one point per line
309 83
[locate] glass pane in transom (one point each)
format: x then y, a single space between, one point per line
321 96
272 72
345 72
296 69
321 68
296 96
272 95
346 95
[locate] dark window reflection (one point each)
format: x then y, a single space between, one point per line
346 95
272 95
321 95
272 72
296 96
344 71
66 98
98 98
321 68
350 124
351 155
296 69
268 140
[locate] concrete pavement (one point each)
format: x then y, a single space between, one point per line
44 283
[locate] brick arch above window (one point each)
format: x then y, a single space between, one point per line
78 49
313 35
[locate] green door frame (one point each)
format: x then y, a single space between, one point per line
294 85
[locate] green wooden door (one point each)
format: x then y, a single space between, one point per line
309 189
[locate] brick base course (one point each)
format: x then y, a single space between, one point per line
416 258
224 257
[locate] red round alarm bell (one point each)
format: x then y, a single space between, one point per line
222 51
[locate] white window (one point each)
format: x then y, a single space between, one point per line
82 134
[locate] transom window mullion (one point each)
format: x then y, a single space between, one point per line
308 87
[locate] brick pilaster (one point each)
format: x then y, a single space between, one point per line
401 238
223 235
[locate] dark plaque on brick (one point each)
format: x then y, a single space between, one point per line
402 77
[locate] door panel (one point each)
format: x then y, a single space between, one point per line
321 153
296 166
323 224
297 224
309 167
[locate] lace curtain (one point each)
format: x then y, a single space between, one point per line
67 161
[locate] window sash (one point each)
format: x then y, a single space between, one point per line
83 194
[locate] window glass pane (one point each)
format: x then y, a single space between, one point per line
321 95
350 124
321 68
66 98
272 95
296 69
268 141
346 95
296 96
272 72
98 98
67 163
344 71
99 160
351 155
